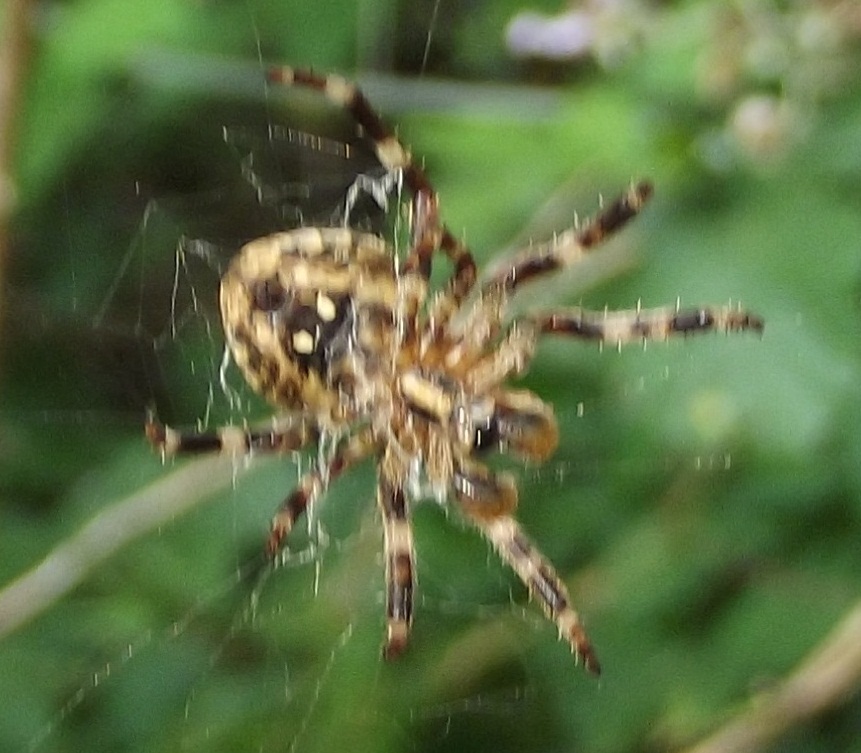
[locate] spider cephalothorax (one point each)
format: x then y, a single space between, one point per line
339 334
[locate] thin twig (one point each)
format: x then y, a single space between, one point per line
108 532
826 679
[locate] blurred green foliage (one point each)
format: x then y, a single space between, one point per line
705 503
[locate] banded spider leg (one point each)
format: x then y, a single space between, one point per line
400 564
429 234
284 436
292 436
489 500
616 327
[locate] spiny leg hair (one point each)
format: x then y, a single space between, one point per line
542 581
571 245
620 327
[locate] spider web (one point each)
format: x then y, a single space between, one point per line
298 633
311 622
702 506
160 304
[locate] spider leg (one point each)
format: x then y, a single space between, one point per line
512 356
232 440
428 233
489 500
313 484
571 245
619 327
481 322
400 581
544 584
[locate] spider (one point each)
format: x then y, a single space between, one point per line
341 336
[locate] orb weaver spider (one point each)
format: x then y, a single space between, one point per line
340 335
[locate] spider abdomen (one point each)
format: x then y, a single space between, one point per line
309 316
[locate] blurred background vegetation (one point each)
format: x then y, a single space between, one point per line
705 503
